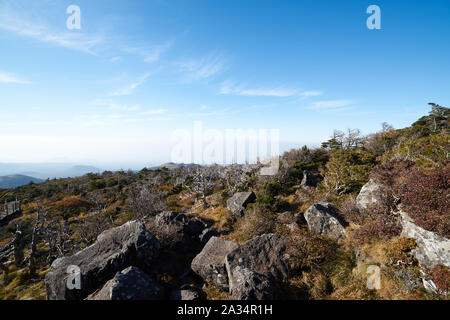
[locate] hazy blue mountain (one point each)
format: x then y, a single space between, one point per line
16 180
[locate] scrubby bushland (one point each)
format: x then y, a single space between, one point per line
426 197
410 164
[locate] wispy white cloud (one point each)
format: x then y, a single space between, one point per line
154 112
115 106
331 104
153 53
309 94
230 88
160 119
129 89
15 21
204 68
12 78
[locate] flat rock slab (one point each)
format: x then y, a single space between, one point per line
129 284
116 249
209 264
239 201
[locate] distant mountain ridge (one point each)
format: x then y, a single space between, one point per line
17 180
46 170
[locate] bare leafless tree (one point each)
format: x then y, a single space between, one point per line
203 182
146 202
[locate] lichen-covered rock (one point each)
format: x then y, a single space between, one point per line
309 180
129 284
432 249
250 285
265 257
239 201
184 295
116 249
369 195
323 218
209 264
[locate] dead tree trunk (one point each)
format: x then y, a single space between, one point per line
34 240
19 245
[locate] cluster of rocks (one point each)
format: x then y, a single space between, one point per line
254 270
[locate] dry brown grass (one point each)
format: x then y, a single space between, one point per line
214 293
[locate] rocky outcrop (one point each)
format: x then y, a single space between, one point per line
432 249
258 265
369 195
309 180
182 232
323 218
239 201
209 264
129 284
116 249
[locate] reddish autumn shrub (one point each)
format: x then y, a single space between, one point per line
441 277
389 173
384 227
72 206
426 198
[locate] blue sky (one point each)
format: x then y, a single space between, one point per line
139 70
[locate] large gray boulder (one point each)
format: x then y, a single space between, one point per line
309 180
369 195
432 249
209 264
323 219
239 201
250 285
129 284
179 231
116 249
265 258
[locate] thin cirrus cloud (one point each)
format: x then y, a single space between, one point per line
12 78
129 89
14 22
331 104
154 112
229 88
309 94
204 68
153 53
116 106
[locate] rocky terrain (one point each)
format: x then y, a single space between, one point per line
315 230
